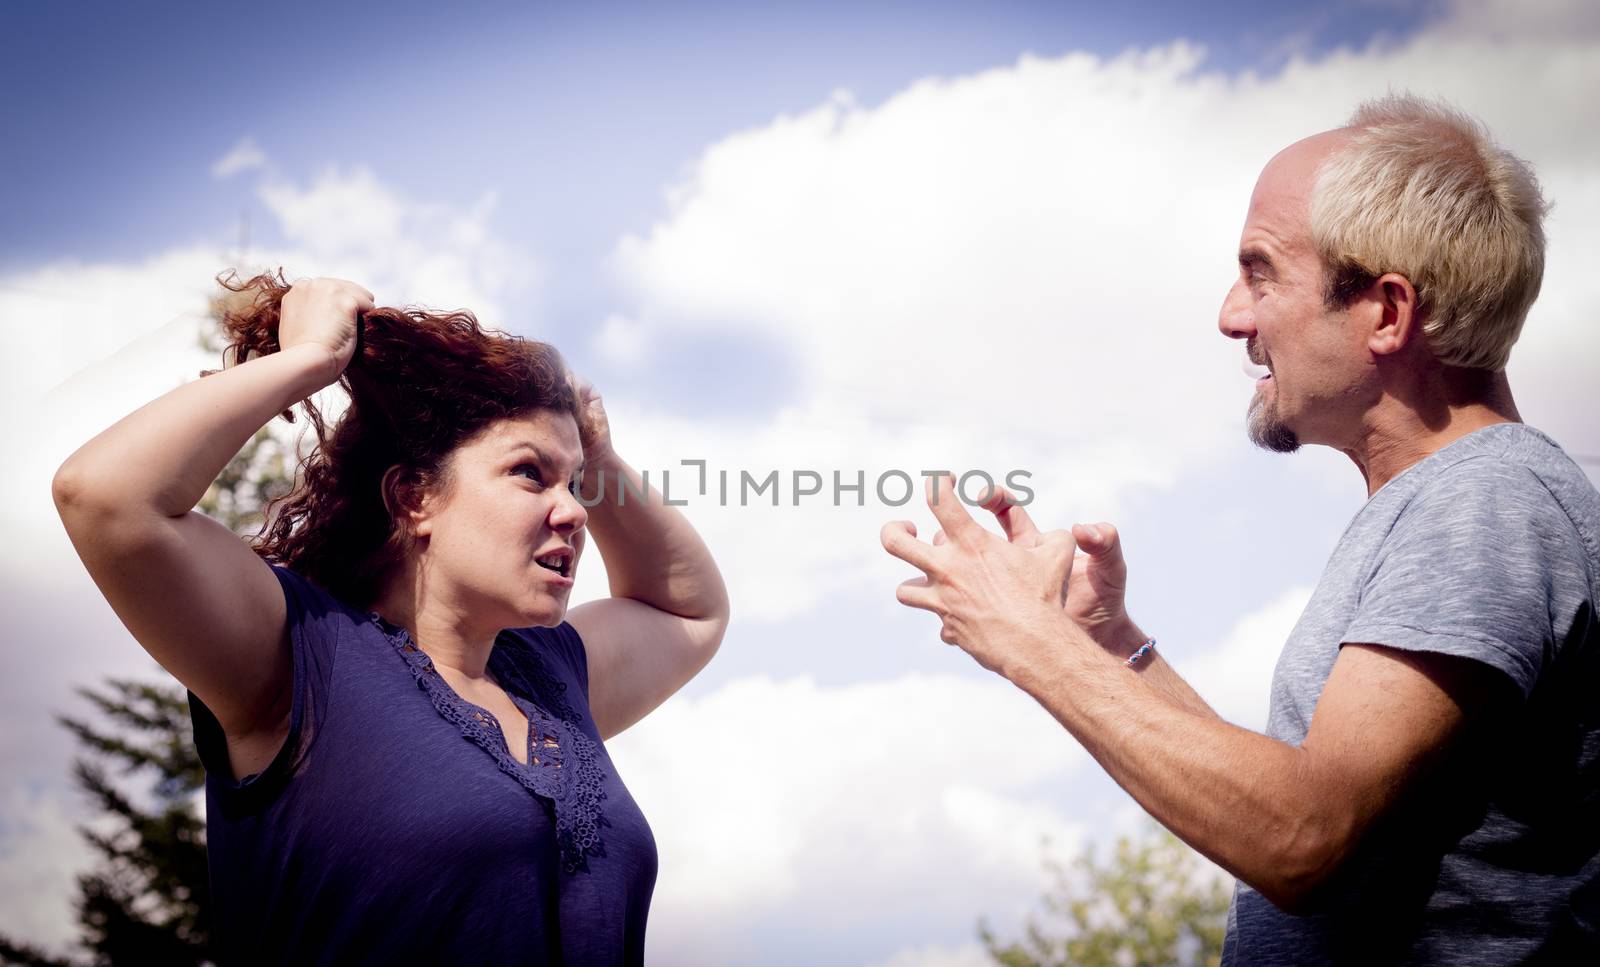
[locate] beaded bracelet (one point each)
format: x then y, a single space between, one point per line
1143 650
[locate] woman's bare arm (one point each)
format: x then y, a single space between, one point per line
187 588
668 607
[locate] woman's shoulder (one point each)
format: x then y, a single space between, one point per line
308 600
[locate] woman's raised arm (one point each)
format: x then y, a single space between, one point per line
668 608
187 588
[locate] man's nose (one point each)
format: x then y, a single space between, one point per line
1235 320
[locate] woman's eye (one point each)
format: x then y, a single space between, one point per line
531 469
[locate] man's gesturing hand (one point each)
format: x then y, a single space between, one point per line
996 598
1095 591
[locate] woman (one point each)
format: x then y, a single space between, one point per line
401 722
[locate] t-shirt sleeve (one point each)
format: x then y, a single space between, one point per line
314 620
1471 569
570 644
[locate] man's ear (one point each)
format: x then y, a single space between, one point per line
1399 319
405 501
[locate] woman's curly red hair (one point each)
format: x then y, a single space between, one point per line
420 384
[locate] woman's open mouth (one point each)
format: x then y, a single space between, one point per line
559 561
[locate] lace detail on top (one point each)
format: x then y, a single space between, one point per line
563 763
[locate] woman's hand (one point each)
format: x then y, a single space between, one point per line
594 429
323 312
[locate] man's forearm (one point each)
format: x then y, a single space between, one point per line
1153 668
1248 802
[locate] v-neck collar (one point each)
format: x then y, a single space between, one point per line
563 765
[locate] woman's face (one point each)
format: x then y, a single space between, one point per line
503 540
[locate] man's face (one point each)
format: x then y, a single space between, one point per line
1314 356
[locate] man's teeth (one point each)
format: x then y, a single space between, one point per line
1255 372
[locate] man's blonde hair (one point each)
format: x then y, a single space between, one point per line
1422 190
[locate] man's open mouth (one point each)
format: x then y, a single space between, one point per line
1256 372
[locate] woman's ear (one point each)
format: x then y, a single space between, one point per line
406 502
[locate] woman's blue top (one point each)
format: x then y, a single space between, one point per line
395 826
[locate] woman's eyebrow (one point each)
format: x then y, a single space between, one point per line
539 455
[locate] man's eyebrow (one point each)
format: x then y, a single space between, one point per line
1252 257
539 455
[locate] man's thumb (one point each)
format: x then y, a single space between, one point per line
1097 539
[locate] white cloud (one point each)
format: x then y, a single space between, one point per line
246 155
348 223
40 855
1548 21
913 798
622 341
1037 252
933 955
1235 678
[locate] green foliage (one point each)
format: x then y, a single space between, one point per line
147 902
1152 903
262 471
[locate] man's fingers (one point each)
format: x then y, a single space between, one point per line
917 593
1104 546
1014 520
946 506
899 538
1100 540
939 539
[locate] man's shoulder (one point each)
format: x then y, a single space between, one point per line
1509 470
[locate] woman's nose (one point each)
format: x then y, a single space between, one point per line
568 512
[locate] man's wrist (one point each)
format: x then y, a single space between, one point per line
1121 640
1055 646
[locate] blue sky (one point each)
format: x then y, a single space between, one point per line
1003 246
577 114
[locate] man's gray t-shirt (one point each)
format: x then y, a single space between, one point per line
1488 549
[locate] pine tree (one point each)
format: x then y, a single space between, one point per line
147 901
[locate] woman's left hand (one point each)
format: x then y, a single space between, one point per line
594 430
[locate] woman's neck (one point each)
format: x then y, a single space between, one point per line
442 628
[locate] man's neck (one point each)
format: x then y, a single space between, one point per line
1423 418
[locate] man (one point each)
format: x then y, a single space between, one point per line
1428 789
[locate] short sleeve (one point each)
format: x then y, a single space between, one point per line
1473 568
570 644
314 619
